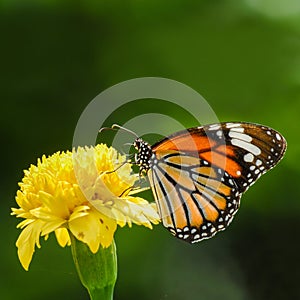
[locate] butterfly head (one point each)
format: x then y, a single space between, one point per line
143 157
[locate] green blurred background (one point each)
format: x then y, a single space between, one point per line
243 56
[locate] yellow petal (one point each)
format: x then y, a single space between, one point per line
24 223
87 230
52 226
62 236
108 227
26 242
79 212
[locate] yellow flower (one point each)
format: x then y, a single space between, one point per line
85 193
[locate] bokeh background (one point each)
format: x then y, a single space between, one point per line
243 56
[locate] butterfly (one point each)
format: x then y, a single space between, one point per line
198 175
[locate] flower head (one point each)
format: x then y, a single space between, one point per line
87 193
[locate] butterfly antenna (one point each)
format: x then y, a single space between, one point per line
114 126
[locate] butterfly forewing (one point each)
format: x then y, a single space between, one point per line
198 175
251 150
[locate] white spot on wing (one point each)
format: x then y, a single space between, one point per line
231 125
248 157
278 137
214 126
219 133
246 146
258 162
237 129
240 136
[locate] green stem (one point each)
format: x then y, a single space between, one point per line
97 272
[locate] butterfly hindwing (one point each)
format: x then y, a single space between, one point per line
195 200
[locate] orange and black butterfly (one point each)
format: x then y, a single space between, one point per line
198 175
